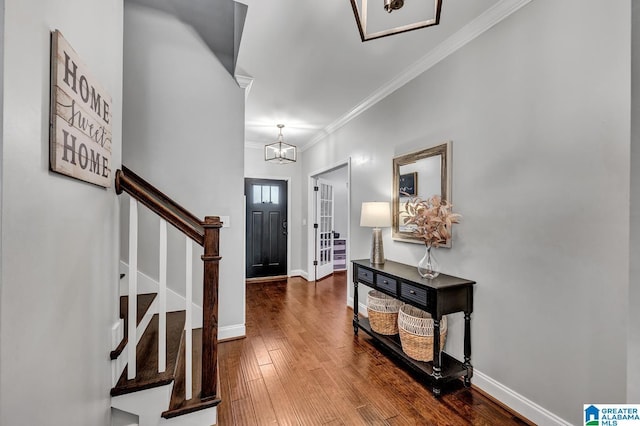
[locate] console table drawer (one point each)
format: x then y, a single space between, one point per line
365 275
386 283
413 293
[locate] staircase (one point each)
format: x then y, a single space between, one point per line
160 374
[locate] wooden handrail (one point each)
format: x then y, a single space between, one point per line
207 234
156 201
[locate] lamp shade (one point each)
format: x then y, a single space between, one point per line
376 214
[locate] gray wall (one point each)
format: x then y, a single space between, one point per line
59 235
538 111
183 132
633 367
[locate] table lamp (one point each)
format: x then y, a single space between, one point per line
376 215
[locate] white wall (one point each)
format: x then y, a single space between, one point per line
633 367
256 167
184 132
538 111
59 235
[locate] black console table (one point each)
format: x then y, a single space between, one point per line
439 296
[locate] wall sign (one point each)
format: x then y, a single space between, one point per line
80 118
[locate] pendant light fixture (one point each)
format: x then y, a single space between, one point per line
388 17
280 152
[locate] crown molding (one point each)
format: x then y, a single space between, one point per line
245 82
473 29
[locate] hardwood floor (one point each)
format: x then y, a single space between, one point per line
301 365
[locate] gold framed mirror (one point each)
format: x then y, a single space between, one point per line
420 174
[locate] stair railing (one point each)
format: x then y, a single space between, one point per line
206 234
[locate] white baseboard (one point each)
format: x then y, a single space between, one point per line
362 308
505 395
117 365
299 273
117 333
232 332
523 406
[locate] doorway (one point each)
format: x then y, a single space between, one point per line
328 209
266 227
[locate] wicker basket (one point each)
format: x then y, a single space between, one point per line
416 332
383 312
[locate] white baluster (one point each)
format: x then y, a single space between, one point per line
187 324
162 300
133 288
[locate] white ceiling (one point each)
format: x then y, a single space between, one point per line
311 70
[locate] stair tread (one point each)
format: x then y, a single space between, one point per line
144 302
147 356
178 405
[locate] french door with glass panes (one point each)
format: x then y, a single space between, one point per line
324 228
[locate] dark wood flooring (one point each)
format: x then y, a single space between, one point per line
300 364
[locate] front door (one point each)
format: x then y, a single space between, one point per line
266 237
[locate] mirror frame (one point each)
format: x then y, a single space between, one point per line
445 185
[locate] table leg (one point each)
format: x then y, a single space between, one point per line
437 361
437 373
467 348
355 306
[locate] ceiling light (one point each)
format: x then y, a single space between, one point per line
379 21
280 152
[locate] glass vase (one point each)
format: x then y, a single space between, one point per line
428 267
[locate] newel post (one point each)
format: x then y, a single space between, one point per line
211 259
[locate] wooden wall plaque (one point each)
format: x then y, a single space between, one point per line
80 118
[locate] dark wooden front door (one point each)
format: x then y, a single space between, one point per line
266 227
